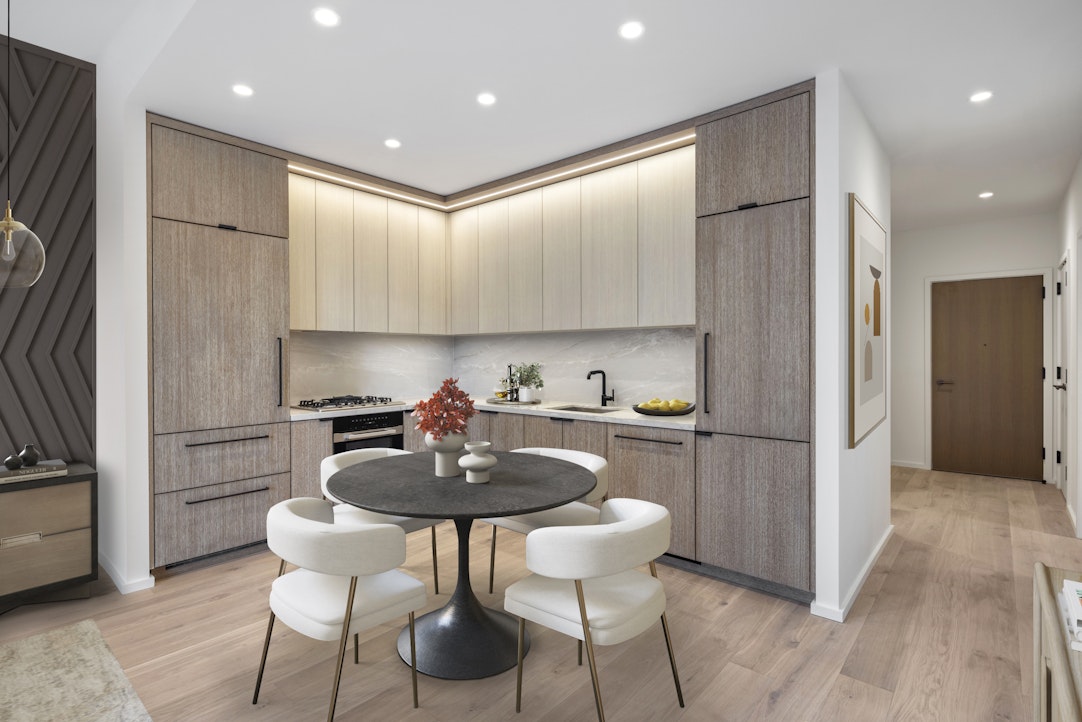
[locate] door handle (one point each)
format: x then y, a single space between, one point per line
1059 387
943 382
706 373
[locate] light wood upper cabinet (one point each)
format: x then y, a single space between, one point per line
334 257
758 157
609 248
525 260
492 267
561 271
198 180
432 271
666 239
302 253
369 262
464 273
402 264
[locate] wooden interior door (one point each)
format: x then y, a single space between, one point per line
987 343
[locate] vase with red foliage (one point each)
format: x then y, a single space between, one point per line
444 419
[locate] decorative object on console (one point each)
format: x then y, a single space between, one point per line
13 462
477 462
867 330
47 468
444 418
527 377
29 455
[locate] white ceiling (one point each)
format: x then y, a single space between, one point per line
566 83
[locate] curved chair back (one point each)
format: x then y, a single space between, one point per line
630 532
339 461
593 462
302 532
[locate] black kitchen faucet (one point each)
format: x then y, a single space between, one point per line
605 397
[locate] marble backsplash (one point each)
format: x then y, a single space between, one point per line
639 363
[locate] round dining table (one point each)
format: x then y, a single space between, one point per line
463 639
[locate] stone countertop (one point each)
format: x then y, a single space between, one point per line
621 415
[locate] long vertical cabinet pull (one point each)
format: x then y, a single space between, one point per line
281 391
706 372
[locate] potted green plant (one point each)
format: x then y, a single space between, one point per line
444 419
528 378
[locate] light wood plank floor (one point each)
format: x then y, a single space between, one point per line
941 631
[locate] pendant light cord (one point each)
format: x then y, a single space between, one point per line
11 50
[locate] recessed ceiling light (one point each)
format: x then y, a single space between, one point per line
986 194
326 17
981 96
242 90
631 29
393 143
486 98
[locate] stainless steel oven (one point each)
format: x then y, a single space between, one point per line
382 430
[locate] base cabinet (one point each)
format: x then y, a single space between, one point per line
754 507
505 431
575 434
310 443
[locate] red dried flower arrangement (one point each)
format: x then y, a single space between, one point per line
446 412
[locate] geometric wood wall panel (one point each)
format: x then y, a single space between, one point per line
47 331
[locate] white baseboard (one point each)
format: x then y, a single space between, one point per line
911 464
838 614
124 586
1074 520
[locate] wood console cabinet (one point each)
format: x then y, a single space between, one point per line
48 534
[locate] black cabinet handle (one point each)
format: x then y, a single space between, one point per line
486 411
227 227
227 441
281 389
227 496
746 206
561 420
704 433
706 372
652 441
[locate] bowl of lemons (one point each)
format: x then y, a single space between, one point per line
669 407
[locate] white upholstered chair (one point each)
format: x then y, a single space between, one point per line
346 513
347 579
574 514
585 585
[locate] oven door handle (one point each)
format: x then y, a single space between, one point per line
345 436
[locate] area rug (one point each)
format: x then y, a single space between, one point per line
65 674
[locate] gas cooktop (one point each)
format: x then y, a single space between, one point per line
343 403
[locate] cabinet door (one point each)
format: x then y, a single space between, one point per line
432 271
753 369
754 502
759 156
255 191
220 327
525 260
542 431
413 439
657 465
334 257
402 265
561 270
464 277
589 436
609 248
310 443
185 181
492 267
666 235
505 431
369 262
302 253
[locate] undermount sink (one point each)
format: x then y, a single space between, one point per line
585 409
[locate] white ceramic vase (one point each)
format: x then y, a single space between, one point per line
447 451
525 394
478 462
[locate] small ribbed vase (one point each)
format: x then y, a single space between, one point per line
447 451
478 462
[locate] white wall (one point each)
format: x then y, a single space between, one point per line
1070 231
1002 246
852 486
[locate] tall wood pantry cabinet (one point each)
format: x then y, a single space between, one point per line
754 338
219 306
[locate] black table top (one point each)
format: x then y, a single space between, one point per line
407 485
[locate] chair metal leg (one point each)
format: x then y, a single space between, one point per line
590 650
518 683
356 645
668 645
266 644
342 647
413 659
492 560
579 644
435 564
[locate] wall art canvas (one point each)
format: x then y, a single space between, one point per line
867 321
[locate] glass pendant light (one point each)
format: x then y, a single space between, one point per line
22 257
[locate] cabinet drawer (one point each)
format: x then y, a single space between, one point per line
196 522
199 458
54 558
48 510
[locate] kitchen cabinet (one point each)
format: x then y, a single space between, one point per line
199 180
666 239
558 433
504 430
561 270
754 507
609 247
525 257
334 257
302 253
493 282
657 465
464 272
754 322
431 271
412 438
759 156
402 267
369 280
220 327
310 442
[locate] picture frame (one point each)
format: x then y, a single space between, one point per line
867 321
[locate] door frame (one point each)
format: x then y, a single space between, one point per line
1047 354
1061 405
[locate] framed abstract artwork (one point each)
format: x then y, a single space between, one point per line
867 321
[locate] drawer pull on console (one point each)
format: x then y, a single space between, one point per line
226 496
19 540
652 441
227 441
